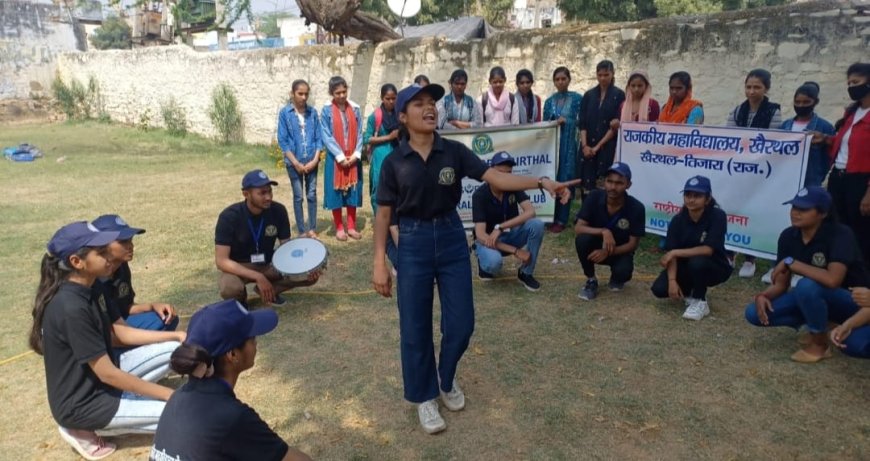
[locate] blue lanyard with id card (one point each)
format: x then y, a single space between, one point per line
257 257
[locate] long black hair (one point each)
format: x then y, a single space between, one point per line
52 273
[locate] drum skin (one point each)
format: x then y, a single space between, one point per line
298 258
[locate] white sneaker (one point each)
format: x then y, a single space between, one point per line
430 418
455 399
697 310
689 301
747 270
768 276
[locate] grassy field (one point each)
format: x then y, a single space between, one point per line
547 377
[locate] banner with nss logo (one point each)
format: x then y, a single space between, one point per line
534 147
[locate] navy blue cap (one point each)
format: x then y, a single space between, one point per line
699 184
621 169
812 197
225 325
502 158
75 236
409 92
113 222
256 178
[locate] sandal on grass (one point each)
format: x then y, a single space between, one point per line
802 356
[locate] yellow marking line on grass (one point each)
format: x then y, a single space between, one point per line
644 278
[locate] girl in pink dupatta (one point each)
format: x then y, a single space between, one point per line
499 106
639 106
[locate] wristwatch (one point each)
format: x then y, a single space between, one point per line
788 261
497 227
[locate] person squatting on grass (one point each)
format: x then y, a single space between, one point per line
204 420
695 256
244 243
119 285
341 130
499 105
299 139
824 254
500 229
609 227
89 390
421 180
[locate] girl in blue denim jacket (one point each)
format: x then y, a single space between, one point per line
805 100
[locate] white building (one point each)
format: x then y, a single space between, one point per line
296 33
534 14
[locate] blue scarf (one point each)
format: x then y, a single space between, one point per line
454 112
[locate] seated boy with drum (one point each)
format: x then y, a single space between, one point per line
245 237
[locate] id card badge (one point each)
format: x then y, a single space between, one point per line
258 258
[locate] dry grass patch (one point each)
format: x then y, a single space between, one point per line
547 377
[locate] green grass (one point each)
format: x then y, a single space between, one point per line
547 377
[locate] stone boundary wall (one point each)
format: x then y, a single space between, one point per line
809 41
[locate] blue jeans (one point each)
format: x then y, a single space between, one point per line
310 185
530 233
811 304
429 251
151 321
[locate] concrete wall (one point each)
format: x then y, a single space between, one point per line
31 37
811 41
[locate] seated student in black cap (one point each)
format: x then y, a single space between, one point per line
500 229
826 257
204 420
146 316
245 242
609 227
695 246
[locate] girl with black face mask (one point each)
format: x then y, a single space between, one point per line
805 100
850 153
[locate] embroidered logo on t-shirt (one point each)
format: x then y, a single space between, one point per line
819 260
622 224
703 236
102 302
447 176
123 289
271 230
512 199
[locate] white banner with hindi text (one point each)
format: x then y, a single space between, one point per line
752 172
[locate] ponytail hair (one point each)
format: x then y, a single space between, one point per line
52 273
296 84
191 360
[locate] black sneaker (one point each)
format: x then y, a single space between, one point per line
484 275
589 291
528 281
614 286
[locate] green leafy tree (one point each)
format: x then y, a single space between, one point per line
666 8
496 12
745 4
600 10
114 34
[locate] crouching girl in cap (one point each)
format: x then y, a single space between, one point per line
89 390
204 420
695 245
825 256
422 181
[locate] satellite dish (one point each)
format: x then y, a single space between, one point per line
404 8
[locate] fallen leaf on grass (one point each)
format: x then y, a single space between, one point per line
587 393
306 414
600 419
649 427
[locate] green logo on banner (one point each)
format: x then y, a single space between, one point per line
482 144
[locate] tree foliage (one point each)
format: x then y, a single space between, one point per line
267 23
113 34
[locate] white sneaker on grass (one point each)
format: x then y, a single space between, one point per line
430 417
697 310
455 399
747 270
689 301
767 277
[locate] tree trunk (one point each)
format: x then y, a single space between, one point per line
343 17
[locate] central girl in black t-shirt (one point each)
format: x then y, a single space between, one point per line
422 181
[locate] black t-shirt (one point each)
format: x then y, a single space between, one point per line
234 229
596 114
104 288
203 420
120 290
709 230
629 221
425 190
833 243
76 329
485 208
